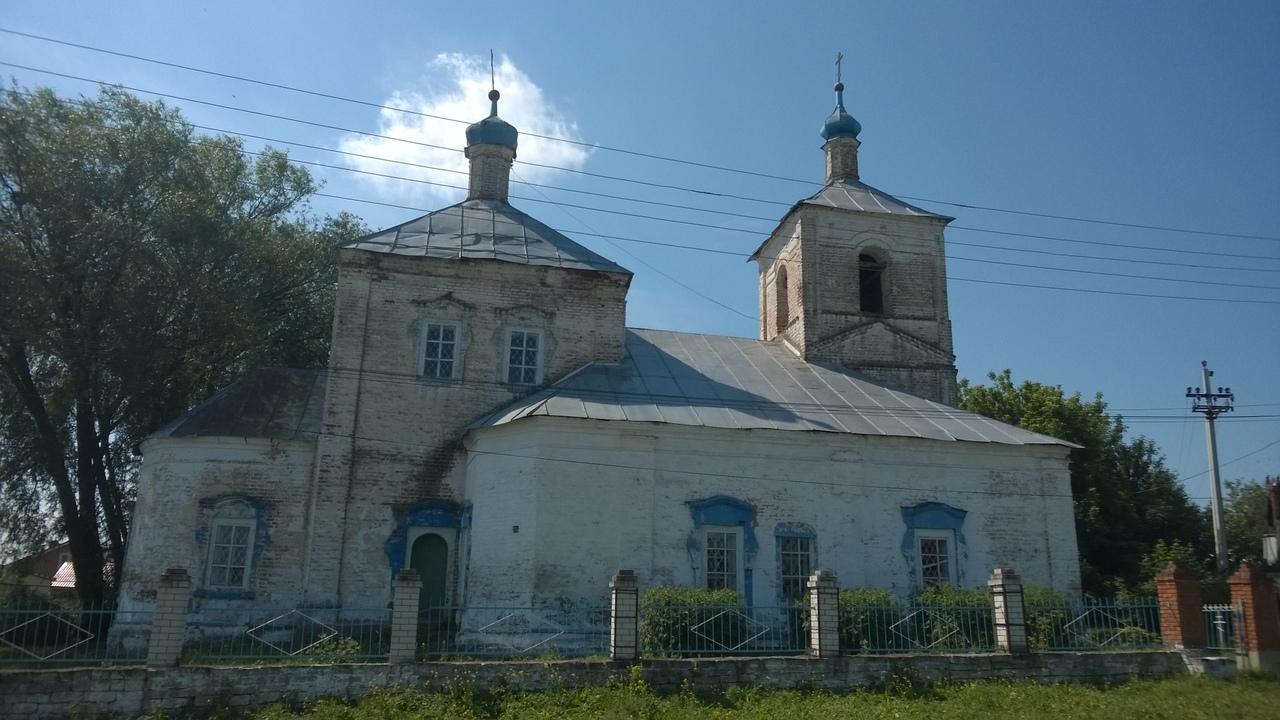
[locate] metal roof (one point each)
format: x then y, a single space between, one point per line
729 382
864 198
268 403
484 229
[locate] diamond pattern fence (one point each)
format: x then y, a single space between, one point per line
308 634
1103 625
916 629
708 630
46 633
455 631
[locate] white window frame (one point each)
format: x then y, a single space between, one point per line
924 535
735 555
426 344
540 354
804 556
246 567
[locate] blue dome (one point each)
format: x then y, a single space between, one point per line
841 124
492 130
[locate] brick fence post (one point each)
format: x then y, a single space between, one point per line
406 589
1258 632
824 614
1007 611
169 621
1181 607
624 616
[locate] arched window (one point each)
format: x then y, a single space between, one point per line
870 284
782 295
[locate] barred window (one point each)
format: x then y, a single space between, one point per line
795 559
230 552
440 351
935 558
722 558
523 355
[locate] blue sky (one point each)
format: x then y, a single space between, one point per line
1158 114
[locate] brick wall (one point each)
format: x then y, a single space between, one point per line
49 694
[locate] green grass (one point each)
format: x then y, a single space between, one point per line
1183 697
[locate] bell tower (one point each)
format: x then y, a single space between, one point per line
857 277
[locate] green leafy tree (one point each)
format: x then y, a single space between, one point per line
142 267
1245 515
1126 501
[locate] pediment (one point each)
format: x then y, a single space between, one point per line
882 343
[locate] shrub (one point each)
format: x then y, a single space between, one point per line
865 615
691 621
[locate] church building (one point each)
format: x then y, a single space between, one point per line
487 418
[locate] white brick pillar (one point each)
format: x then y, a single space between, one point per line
824 614
1007 611
169 621
624 616
406 589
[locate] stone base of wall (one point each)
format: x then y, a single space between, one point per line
40 694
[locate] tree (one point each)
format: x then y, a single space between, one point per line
142 267
1126 501
1245 515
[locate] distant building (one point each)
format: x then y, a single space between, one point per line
487 418
48 572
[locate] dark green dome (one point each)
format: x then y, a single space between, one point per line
841 124
492 130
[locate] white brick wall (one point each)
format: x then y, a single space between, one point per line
580 521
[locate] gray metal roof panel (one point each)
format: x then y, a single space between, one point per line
864 198
484 230
267 402
726 382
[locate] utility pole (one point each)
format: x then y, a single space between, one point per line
1212 404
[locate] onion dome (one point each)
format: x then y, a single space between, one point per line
840 125
492 130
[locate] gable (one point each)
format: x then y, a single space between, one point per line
878 339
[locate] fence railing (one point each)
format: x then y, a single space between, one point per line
46 634
1220 627
513 631
701 630
49 634
1117 625
916 628
313 634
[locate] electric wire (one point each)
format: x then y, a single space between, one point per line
636 215
383 106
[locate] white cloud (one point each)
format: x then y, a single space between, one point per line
463 95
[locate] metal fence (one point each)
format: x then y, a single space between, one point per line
916 628
44 633
453 631
1220 626
1114 625
698 630
313 635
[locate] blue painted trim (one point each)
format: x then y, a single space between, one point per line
933 516
433 513
225 508
792 529
727 511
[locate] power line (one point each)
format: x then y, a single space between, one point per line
382 106
691 223
1198 266
695 224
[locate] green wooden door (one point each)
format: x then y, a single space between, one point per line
430 557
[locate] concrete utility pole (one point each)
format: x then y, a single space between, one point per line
1212 404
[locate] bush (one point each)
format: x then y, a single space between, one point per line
691 621
864 618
